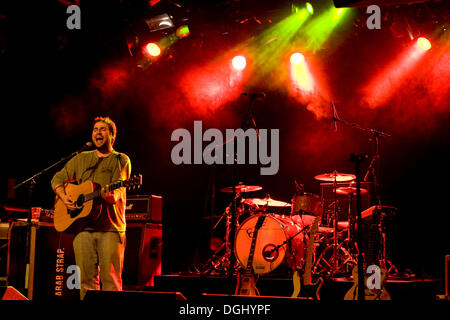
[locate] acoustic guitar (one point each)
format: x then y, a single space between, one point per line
308 289
374 293
87 206
246 284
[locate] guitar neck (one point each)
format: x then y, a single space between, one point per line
372 250
258 225
307 274
248 269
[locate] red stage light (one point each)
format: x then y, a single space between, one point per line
152 49
239 62
424 43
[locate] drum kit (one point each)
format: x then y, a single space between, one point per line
283 237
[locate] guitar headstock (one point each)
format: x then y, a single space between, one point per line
134 182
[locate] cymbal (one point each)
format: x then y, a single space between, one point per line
350 191
335 176
241 188
267 201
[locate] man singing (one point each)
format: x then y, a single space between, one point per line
99 244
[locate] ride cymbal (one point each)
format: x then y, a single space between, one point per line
335 176
241 188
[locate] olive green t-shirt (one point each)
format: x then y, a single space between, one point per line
87 166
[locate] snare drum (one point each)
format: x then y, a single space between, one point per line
274 231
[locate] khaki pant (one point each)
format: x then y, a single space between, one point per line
99 255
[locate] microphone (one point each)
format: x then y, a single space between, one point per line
254 95
85 147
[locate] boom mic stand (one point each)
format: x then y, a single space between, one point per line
232 236
31 182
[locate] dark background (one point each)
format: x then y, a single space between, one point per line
54 81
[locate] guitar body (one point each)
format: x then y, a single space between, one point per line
371 260
306 290
246 285
63 218
369 294
87 197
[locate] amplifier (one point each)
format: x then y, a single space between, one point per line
144 208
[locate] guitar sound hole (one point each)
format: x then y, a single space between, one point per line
79 204
80 201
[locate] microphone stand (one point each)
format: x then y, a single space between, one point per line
357 159
244 125
31 182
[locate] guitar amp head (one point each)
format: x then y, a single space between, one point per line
144 208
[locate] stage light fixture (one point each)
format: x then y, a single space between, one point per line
424 43
297 58
160 22
239 62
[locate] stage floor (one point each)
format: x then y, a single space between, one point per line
193 286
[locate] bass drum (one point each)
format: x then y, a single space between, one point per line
275 230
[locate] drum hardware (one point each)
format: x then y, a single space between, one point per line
326 264
335 177
221 258
350 192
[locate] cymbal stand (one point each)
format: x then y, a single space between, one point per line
335 218
224 262
384 262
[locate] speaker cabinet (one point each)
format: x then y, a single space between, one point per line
142 254
51 253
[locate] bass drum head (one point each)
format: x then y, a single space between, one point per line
273 232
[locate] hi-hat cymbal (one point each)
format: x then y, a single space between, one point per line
267 201
350 191
241 188
335 176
